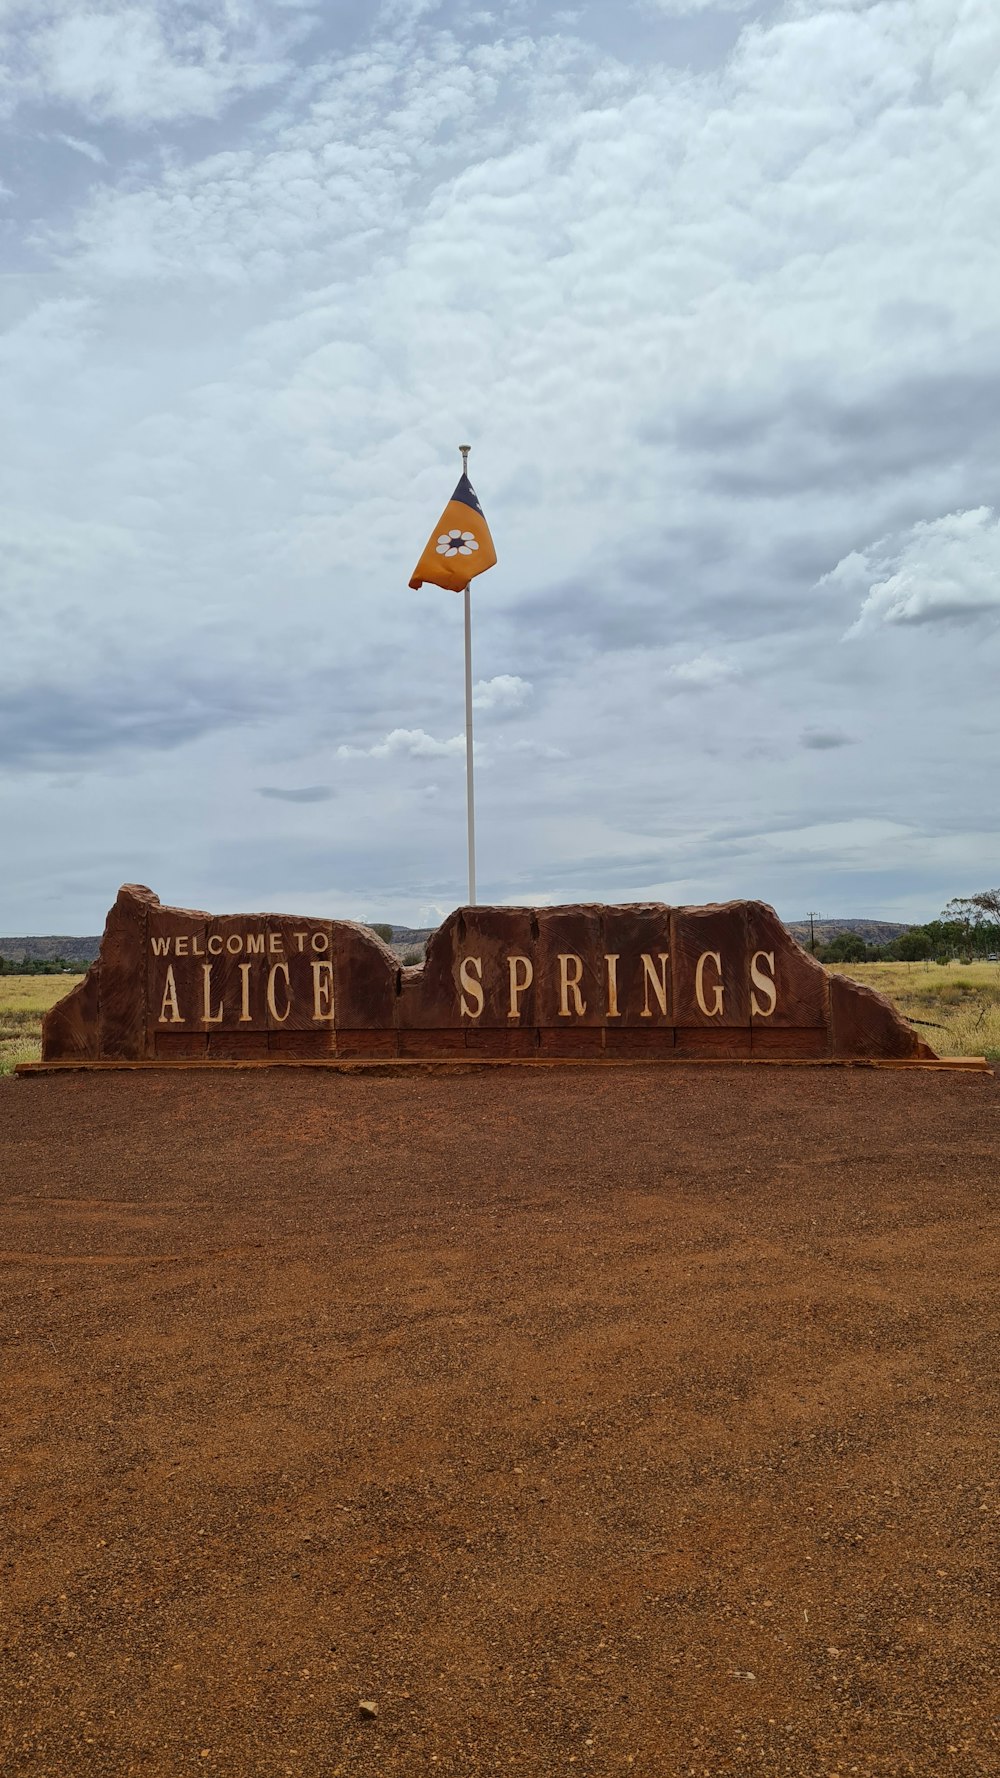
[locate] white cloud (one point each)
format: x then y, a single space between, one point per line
504 692
412 743
89 150
676 9
942 570
528 747
146 63
703 670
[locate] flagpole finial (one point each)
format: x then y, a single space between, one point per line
465 449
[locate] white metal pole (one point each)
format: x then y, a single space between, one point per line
469 791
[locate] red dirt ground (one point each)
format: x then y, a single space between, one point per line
602 1423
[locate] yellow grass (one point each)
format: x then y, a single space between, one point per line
958 1003
23 999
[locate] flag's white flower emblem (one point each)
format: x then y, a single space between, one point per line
456 543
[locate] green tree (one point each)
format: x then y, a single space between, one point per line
847 947
914 946
977 918
985 905
382 931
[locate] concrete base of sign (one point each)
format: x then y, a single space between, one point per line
499 986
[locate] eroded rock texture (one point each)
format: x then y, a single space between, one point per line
642 980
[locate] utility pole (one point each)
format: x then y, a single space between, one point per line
811 916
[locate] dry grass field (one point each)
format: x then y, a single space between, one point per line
955 1006
23 1000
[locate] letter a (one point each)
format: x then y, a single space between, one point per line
170 1000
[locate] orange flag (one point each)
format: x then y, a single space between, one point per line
460 546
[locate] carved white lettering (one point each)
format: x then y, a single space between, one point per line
169 1010
234 944
275 970
300 940
215 944
658 983
197 950
244 969
161 947
522 974
718 989
208 1016
472 983
612 963
321 941
274 943
765 983
569 983
322 973
255 944
181 945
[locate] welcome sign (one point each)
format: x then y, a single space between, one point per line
596 982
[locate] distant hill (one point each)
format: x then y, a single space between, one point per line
84 950
42 950
874 932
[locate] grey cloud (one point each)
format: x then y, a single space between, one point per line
822 740
816 438
47 724
309 793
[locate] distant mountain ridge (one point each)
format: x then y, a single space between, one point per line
84 950
43 950
879 932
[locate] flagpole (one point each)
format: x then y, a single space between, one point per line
469 791
470 798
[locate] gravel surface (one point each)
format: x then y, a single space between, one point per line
639 1422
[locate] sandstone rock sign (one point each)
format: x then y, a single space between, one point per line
595 983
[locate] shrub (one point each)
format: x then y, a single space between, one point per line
912 947
847 947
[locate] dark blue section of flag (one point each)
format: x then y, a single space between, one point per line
467 494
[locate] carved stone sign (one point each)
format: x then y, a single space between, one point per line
644 980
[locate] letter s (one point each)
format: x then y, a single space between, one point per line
765 983
472 983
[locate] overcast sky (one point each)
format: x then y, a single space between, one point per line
713 288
